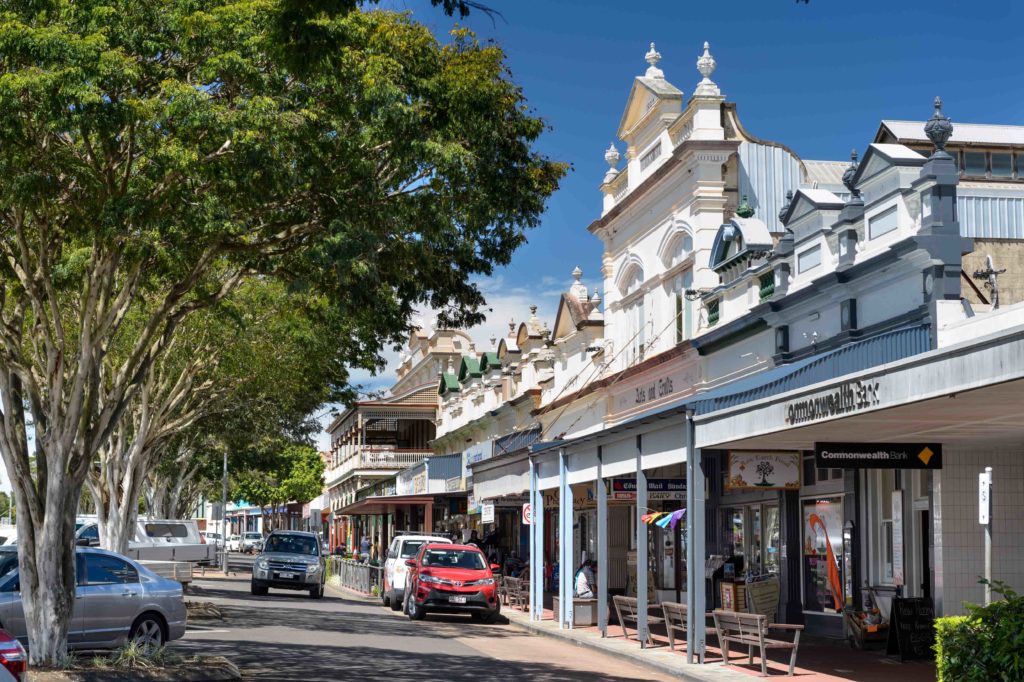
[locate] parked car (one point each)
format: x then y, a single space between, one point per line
8 558
234 543
212 537
251 542
157 540
395 571
452 578
290 560
117 600
13 659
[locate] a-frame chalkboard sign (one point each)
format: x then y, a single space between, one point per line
911 628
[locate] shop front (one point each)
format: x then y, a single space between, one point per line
887 500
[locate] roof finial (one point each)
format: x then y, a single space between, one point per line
785 207
611 157
706 66
577 273
653 57
494 342
511 326
939 129
848 176
745 210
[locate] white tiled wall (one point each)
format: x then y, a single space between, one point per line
962 541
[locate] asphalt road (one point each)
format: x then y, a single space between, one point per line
288 636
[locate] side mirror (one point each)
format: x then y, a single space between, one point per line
495 567
82 542
411 563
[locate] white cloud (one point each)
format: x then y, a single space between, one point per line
505 301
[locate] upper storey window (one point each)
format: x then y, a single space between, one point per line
883 223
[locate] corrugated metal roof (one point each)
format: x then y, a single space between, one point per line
443 467
825 173
878 350
979 133
516 441
992 215
766 174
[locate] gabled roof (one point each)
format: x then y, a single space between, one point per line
571 313
976 133
507 346
447 384
880 156
469 368
640 97
806 199
489 361
749 235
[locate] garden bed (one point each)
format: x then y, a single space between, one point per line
161 669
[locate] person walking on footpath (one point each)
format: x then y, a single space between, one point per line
364 549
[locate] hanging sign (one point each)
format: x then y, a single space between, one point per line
878 455
984 498
527 514
487 513
763 471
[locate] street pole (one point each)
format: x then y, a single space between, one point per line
985 493
224 514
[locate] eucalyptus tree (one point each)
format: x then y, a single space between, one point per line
166 152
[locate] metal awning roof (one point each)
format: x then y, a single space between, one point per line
384 504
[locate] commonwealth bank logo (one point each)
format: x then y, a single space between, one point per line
925 455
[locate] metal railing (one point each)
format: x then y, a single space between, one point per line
377 457
355 575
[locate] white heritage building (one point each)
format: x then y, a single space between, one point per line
764 313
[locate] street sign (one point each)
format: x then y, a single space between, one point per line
984 498
878 455
527 514
487 513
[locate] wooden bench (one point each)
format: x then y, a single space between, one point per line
675 621
751 629
626 608
518 593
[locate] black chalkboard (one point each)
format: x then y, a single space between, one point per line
911 628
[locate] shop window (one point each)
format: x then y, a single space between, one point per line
883 223
752 533
809 259
974 163
1002 166
823 555
886 483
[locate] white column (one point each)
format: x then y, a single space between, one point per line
565 556
641 547
695 574
536 544
602 546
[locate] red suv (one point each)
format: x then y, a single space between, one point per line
452 578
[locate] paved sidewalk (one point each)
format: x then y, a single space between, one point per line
817 660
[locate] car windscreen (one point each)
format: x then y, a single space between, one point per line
252 536
290 544
454 558
411 547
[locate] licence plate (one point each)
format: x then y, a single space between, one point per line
457 600
285 576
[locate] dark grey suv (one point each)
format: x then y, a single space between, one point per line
290 560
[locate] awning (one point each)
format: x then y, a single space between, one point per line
512 478
384 504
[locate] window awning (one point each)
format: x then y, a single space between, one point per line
384 504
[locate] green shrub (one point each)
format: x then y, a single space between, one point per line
987 645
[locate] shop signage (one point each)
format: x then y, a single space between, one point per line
763 471
911 628
419 483
651 389
487 513
454 484
897 537
582 497
657 489
527 514
849 397
878 455
984 497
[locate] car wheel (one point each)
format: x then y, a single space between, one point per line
395 604
317 592
385 597
257 589
414 610
148 633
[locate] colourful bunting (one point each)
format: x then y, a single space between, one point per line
664 519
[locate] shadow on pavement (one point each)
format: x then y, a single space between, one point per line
323 663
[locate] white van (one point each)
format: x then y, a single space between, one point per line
158 540
404 546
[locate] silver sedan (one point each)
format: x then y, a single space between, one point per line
117 600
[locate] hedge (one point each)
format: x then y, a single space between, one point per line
987 645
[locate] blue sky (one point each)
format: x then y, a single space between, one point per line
816 77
